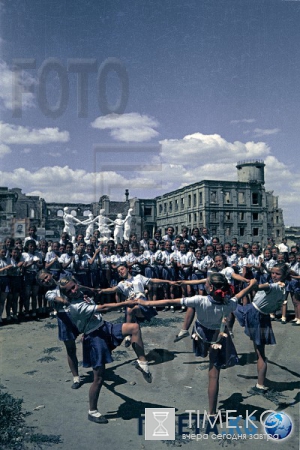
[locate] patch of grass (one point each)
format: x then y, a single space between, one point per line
52 350
14 433
47 359
45 439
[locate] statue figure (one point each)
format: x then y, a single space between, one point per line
127 224
90 227
103 227
119 230
69 221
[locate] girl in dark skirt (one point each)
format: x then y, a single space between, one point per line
255 318
210 334
100 339
67 331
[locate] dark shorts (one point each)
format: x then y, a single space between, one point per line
221 358
15 284
147 311
98 345
4 284
257 325
30 279
67 331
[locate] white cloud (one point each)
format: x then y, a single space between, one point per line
13 134
234 122
131 127
200 148
10 83
4 150
63 184
26 151
54 154
259 132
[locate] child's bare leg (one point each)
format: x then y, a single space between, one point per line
283 312
96 387
261 364
296 302
188 319
213 388
134 330
72 357
8 305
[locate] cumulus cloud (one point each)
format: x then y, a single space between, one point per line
63 184
131 127
17 134
181 162
12 82
200 148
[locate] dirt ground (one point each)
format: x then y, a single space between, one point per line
34 368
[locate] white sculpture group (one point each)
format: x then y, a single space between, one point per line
121 230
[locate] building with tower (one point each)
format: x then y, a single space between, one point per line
242 209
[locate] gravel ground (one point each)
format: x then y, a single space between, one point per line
34 368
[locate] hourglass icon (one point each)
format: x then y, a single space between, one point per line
160 417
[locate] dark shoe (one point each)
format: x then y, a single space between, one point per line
181 335
76 385
147 375
231 334
283 322
296 324
97 419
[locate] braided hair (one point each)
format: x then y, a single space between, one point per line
221 288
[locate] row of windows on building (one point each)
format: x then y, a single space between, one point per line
60 213
181 202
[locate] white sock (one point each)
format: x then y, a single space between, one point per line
143 365
128 338
76 379
181 332
95 413
260 386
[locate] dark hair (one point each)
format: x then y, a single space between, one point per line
221 287
284 269
27 243
225 261
42 272
64 281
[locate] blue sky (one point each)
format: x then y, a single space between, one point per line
209 83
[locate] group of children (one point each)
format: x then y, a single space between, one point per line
229 281
170 257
